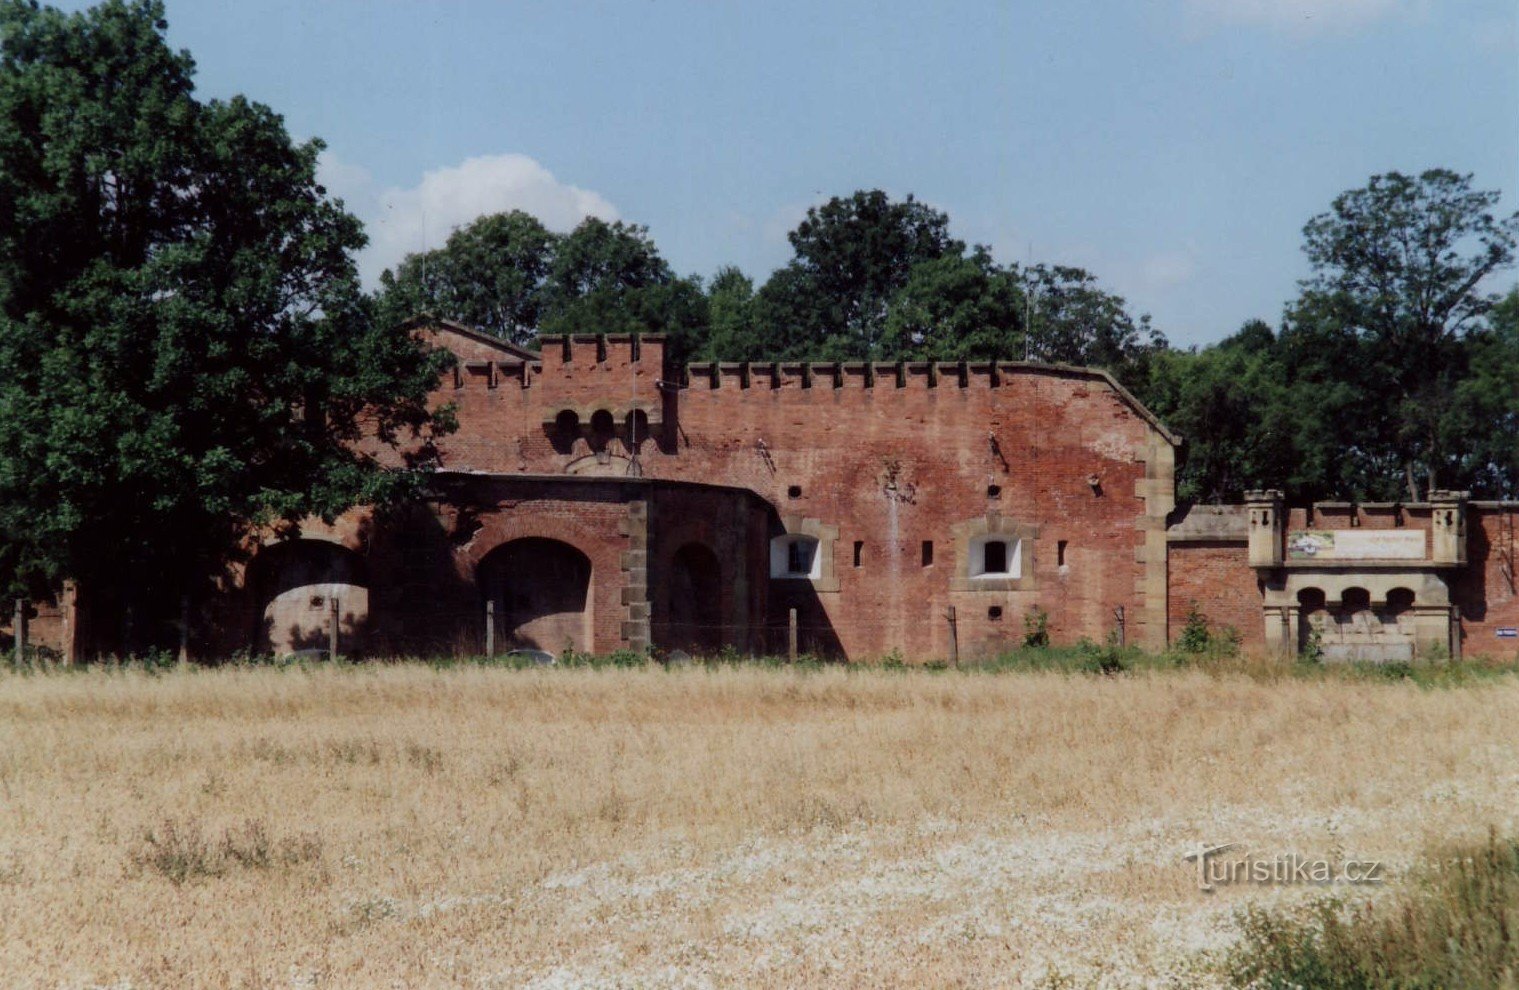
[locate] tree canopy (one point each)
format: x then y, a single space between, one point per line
184 346
507 274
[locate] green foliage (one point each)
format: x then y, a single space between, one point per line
509 275
852 255
1194 637
1313 649
184 349
1036 628
1454 929
1109 658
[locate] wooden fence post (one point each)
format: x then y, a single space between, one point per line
954 638
18 627
490 627
791 638
184 628
332 629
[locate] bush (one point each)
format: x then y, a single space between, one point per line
1036 628
1454 929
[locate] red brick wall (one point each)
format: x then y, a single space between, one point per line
1037 435
1483 589
1216 575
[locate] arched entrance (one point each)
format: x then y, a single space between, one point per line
542 591
693 604
295 584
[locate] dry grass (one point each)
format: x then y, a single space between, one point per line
405 827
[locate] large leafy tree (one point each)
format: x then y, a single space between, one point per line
184 348
507 274
852 255
1075 321
956 308
489 274
1399 268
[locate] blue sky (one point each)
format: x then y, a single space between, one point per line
1173 147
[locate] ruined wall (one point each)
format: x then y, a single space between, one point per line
887 457
1485 588
1217 577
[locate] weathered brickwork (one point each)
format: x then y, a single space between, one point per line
879 460
596 498
1216 577
1485 591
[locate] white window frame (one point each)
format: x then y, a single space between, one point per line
978 569
780 557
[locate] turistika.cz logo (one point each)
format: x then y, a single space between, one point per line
1215 870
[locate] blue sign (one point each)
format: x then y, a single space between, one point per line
1508 632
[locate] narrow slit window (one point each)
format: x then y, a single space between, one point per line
928 553
859 551
1060 554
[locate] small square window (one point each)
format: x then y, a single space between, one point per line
799 556
996 557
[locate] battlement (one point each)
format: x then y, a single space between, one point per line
826 378
587 350
578 371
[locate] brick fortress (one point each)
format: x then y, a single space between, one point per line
595 497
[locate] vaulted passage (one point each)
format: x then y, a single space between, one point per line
542 593
693 604
295 584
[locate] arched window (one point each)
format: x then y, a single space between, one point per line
996 556
794 556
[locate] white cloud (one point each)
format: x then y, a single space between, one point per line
1300 17
400 221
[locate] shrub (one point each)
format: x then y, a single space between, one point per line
1194 637
1036 628
1105 659
1455 928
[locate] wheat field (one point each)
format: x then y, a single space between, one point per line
400 826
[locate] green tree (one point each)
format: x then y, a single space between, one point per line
184 348
490 274
851 257
734 333
1397 286
1233 406
956 308
1076 322
507 274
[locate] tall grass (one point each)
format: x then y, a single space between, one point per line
359 825
1458 927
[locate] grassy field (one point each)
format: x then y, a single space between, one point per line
405 826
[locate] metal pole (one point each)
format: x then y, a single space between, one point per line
490 627
954 638
1118 614
18 626
332 629
791 640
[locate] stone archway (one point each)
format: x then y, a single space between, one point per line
693 600
294 585
542 594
